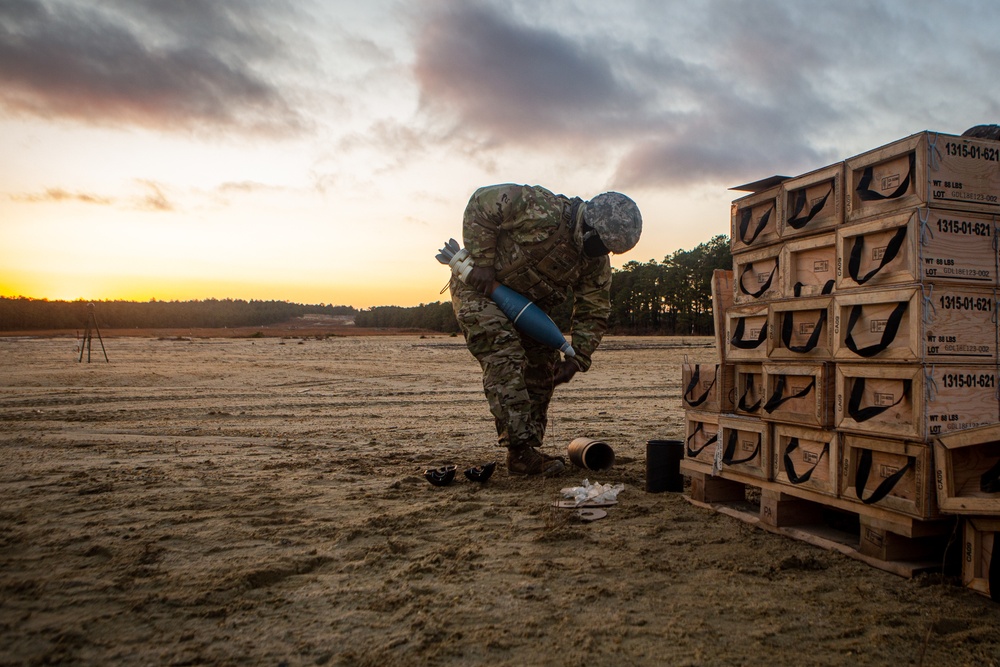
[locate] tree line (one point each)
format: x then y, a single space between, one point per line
23 314
672 297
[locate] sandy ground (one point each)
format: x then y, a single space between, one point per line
237 501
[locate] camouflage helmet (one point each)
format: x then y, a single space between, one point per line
983 132
616 220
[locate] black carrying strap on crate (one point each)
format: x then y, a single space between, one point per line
695 377
777 398
695 452
860 414
793 477
995 570
788 327
891 250
882 490
737 339
730 450
746 215
797 221
767 283
888 334
827 288
866 194
742 403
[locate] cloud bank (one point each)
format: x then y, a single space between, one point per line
666 94
709 92
161 65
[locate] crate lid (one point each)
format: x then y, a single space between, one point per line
979 435
761 185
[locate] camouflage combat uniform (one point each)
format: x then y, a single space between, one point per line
527 234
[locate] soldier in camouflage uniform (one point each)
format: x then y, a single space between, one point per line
541 245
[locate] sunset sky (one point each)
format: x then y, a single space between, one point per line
321 152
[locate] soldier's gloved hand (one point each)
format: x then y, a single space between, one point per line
481 279
565 370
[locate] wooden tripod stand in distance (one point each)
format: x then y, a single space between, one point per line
88 335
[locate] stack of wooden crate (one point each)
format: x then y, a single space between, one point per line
862 326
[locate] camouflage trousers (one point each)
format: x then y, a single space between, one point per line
517 371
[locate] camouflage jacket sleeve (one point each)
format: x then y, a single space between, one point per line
591 309
506 207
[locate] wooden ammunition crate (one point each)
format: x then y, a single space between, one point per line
746 333
708 387
806 458
813 202
798 393
801 329
980 572
754 219
888 473
722 300
927 168
749 389
920 245
967 471
914 401
757 276
746 446
926 323
809 266
701 434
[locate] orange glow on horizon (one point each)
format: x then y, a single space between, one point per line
106 287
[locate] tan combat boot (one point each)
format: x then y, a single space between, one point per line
529 461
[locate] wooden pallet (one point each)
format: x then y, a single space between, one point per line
888 541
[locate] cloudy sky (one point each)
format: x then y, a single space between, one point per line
321 152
